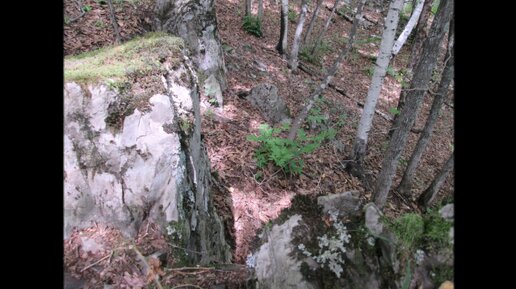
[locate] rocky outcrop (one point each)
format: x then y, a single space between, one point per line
133 149
338 243
195 21
273 263
272 107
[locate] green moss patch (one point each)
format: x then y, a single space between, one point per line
140 56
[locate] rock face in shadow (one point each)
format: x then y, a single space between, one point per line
195 21
133 156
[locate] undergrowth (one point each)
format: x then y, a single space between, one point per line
282 152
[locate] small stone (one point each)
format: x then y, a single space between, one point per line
446 212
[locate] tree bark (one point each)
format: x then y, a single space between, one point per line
195 22
260 10
113 21
331 73
421 34
408 28
428 196
312 21
405 186
248 4
408 115
326 25
297 37
382 62
283 40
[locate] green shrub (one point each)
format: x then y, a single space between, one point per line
284 153
315 58
292 15
436 228
394 111
409 229
252 25
435 5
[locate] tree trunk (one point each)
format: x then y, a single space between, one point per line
248 4
195 21
446 78
297 37
326 25
283 40
331 73
382 62
118 39
260 10
312 21
428 196
408 115
408 28
421 34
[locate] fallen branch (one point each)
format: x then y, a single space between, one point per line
303 67
387 117
370 20
102 259
79 6
346 17
190 268
186 285
449 105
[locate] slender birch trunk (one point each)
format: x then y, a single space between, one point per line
247 5
297 37
408 28
408 115
382 62
331 73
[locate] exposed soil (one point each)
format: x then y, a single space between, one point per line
243 201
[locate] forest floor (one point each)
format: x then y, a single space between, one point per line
252 203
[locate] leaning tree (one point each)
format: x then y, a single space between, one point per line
414 99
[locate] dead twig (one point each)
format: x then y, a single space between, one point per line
186 285
80 7
190 268
95 263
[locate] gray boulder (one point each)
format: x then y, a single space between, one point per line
346 203
272 107
446 212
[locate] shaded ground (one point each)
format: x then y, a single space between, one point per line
244 202
257 202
